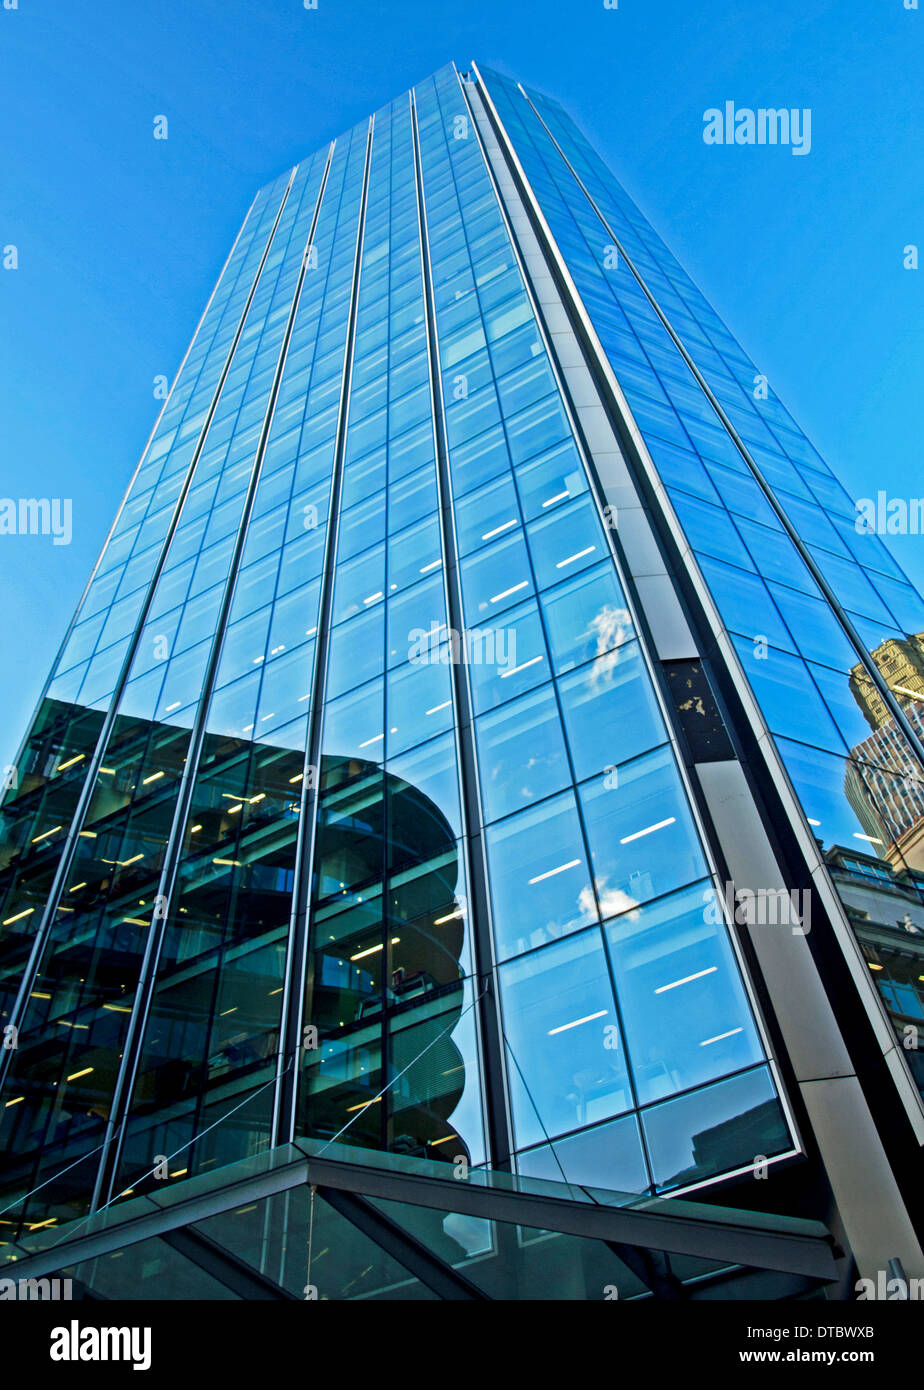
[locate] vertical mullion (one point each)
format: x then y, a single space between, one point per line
297 978
499 1134
384 1114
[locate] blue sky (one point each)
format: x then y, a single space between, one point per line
120 236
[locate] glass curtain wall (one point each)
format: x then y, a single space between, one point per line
597 882
856 773
357 654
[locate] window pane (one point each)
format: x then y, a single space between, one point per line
608 1156
521 754
568 540
586 618
540 882
683 1005
642 839
566 1060
715 1130
419 704
520 661
495 579
610 710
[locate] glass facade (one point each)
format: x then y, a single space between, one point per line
815 603
355 814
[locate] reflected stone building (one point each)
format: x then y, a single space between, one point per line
476 625
886 910
883 782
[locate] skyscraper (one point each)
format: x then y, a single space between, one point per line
436 826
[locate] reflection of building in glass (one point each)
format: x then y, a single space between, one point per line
886 911
887 795
883 783
385 978
386 973
901 662
305 917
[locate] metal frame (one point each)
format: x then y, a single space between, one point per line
219 1263
803 1248
297 974
495 1097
